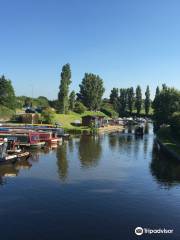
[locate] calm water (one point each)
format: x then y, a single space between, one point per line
91 188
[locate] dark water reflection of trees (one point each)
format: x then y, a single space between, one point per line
90 150
62 161
166 170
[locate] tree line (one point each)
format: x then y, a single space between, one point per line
125 100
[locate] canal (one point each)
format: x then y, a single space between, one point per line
91 188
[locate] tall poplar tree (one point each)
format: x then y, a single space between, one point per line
138 102
64 89
147 102
72 99
130 99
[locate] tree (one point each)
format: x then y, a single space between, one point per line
165 104
7 95
72 99
114 97
64 89
122 101
130 99
156 97
91 91
138 101
147 102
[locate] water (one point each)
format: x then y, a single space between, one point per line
91 188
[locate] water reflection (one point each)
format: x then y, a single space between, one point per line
62 161
90 150
165 170
12 170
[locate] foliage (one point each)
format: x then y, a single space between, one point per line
91 91
79 107
138 101
130 99
175 123
165 104
64 89
54 104
114 98
107 108
47 116
7 95
122 101
72 99
147 102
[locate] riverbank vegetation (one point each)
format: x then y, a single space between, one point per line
167 117
70 106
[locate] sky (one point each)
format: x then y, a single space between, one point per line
125 42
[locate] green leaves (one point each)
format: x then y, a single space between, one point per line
7 95
91 91
64 89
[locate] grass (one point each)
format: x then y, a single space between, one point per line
5 113
166 137
67 119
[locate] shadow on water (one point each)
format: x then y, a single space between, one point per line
165 170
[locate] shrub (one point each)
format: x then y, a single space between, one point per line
175 123
108 110
47 116
79 108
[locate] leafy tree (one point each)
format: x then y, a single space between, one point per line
147 102
79 107
64 89
175 123
72 99
138 101
107 108
91 91
165 104
28 102
156 96
42 102
130 99
122 101
54 104
7 95
114 97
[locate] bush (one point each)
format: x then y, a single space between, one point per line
175 123
47 116
79 108
108 110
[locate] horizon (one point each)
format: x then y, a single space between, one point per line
126 43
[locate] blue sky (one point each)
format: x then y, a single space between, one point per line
126 42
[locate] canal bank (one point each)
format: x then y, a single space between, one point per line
168 143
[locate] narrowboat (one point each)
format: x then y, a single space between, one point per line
24 139
49 137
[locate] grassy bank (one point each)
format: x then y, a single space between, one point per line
5 113
67 121
166 138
